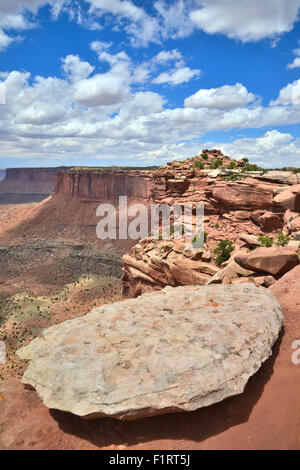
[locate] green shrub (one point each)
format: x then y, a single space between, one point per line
231 165
223 251
233 177
204 156
282 239
217 163
246 160
199 164
266 241
251 167
296 170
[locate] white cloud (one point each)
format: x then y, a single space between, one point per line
174 18
13 17
289 95
176 77
246 20
100 90
167 56
141 27
238 19
225 97
105 114
295 64
100 46
5 40
75 69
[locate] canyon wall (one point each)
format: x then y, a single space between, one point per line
103 185
28 180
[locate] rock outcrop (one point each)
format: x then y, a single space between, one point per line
154 264
289 199
274 260
125 360
237 202
28 180
244 195
103 185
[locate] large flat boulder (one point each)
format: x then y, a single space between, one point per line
274 260
241 195
179 349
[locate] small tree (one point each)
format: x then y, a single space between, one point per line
282 239
223 250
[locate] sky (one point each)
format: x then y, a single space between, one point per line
128 82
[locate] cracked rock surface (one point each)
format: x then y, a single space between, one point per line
179 349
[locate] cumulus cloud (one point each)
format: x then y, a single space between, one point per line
296 63
75 69
100 90
95 114
177 76
289 95
246 20
14 17
167 56
141 27
174 19
225 97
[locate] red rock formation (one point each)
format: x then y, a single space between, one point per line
28 180
103 185
235 202
249 194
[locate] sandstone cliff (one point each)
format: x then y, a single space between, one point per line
105 185
28 180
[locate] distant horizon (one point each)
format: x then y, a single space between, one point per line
139 83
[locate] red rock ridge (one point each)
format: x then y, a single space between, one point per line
103 185
28 180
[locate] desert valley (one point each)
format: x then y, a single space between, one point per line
53 268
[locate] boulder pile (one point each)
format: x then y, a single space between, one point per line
241 205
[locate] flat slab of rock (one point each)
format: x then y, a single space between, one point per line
178 349
273 260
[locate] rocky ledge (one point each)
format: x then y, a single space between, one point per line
125 360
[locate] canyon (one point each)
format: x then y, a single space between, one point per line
54 268
28 181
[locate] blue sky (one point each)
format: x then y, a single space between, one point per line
130 82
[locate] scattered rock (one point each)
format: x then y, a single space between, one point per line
269 221
250 240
